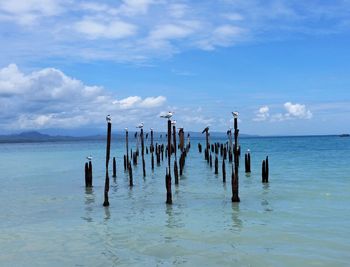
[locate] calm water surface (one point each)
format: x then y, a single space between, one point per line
301 218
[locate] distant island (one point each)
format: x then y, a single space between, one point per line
35 136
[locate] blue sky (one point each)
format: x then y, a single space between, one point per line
284 65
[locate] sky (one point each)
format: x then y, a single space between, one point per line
284 65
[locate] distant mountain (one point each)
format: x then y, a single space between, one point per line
34 136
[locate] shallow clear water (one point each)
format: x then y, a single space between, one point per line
301 218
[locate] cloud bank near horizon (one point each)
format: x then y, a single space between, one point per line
48 98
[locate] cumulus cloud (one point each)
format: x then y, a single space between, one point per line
293 111
95 29
48 98
297 111
139 30
262 114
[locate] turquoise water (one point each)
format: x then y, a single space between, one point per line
301 218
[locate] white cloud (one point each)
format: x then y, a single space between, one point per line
297 111
112 29
293 111
262 114
29 11
223 35
139 30
48 98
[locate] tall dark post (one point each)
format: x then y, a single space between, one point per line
223 171
90 174
108 150
86 174
235 181
143 153
127 149
176 173
207 145
152 150
114 168
168 171
182 139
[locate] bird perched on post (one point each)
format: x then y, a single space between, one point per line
140 126
108 118
168 115
206 129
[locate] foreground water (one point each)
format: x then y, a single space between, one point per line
301 218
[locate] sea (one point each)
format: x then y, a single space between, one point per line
300 218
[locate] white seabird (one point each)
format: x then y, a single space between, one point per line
108 118
89 158
168 115
140 125
235 114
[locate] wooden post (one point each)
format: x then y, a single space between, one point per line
199 148
267 169
114 168
249 165
210 161
168 171
234 184
90 174
216 164
86 174
235 179
176 172
143 153
263 171
125 163
152 150
131 182
168 188
108 150
127 147
223 171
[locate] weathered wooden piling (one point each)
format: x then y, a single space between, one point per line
234 184
176 172
151 148
216 164
223 171
249 163
168 187
235 178
265 170
86 174
207 145
246 163
127 147
199 148
114 168
182 139
168 171
210 161
108 151
143 153
131 182
125 162
90 174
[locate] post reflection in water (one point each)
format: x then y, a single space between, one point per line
237 223
264 201
107 214
89 204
